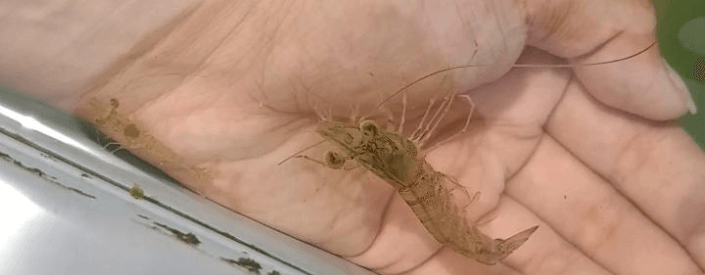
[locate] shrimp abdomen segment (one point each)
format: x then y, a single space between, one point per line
430 197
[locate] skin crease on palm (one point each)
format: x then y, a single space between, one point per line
227 89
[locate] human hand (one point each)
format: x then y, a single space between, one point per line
233 89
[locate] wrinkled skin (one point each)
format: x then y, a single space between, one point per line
232 88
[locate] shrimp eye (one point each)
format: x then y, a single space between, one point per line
334 160
369 127
500 247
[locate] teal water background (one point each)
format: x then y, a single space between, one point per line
681 37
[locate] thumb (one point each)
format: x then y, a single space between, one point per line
588 31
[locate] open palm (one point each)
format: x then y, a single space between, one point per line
231 91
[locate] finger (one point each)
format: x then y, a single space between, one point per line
552 255
403 246
546 252
644 85
584 209
590 31
657 166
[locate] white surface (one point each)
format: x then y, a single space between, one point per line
67 210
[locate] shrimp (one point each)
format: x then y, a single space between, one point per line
398 161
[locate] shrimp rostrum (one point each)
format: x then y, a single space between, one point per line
397 160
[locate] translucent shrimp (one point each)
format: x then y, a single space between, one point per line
396 160
430 194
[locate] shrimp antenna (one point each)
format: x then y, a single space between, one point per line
584 64
424 77
515 65
301 151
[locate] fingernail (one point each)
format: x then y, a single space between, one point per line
680 85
